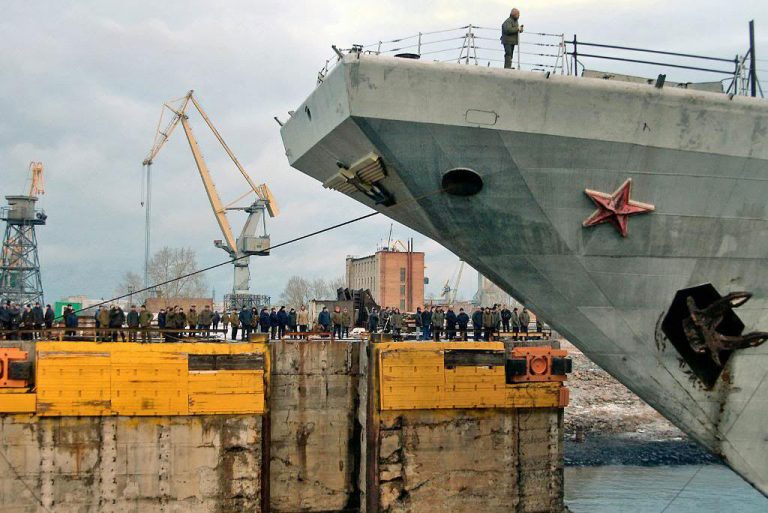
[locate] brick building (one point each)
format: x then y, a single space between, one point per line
395 278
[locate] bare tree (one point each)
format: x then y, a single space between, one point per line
169 264
130 283
340 282
296 292
319 289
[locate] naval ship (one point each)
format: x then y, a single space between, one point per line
630 214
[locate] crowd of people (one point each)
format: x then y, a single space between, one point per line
438 322
28 321
174 323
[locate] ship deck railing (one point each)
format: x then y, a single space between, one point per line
555 53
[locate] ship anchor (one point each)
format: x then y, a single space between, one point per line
701 327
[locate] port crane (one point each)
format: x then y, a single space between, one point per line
249 242
449 293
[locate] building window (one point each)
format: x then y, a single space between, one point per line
402 274
402 290
402 304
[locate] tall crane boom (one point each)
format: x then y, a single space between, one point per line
248 243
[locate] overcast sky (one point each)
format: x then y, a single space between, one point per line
82 84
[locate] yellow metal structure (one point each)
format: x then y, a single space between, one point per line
180 116
413 375
17 401
87 378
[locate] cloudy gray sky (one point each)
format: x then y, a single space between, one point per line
82 84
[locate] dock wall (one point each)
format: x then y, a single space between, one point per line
329 438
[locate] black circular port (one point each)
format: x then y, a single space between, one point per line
462 182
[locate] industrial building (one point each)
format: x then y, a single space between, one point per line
395 278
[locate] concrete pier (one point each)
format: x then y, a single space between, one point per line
336 433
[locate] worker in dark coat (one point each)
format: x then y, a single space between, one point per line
264 321
5 319
426 323
293 321
324 320
450 323
477 323
282 322
116 321
419 323
38 318
510 31
274 322
133 324
27 322
216 319
506 315
463 321
373 321
48 317
246 317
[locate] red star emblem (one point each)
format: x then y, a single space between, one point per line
615 208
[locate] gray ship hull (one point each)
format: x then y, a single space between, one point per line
538 142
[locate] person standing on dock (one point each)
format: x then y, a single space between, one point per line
477 323
525 320
337 321
246 316
346 322
48 318
225 322
510 30
506 315
273 323
397 324
324 320
145 322
234 318
426 323
302 317
38 318
515 320
373 321
463 320
204 320
293 321
192 320
282 322
438 321
133 323
488 324
450 323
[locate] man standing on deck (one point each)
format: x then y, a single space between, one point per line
145 322
509 36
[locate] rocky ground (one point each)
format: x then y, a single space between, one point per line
607 424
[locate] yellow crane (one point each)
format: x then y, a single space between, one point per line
248 243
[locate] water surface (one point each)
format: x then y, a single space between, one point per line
678 489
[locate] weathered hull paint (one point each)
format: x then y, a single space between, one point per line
700 158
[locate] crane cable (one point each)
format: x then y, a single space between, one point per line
227 262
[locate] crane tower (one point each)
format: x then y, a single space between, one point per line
20 280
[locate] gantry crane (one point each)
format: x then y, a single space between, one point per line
248 243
